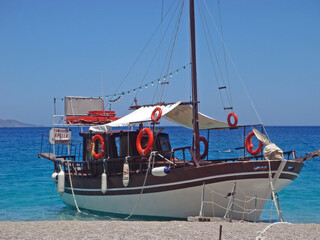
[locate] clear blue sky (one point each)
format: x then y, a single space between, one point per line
57 48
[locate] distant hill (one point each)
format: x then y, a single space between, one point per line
14 123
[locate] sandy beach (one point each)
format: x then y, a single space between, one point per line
154 230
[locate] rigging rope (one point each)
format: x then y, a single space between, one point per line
235 68
155 54
224 53
144 48
173 45
245 209
212 63
215 54
220 83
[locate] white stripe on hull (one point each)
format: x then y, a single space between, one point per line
182 182
186 202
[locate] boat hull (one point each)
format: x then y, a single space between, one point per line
179 195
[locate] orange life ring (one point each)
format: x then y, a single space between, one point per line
205 153
249 145
144 151
93 153
157 109
232 114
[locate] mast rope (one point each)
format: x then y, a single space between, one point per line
144 48
224 53
211 59
215 54
157 50
219 81
235 68
173 46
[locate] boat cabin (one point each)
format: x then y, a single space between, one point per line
120 146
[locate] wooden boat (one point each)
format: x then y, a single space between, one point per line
136 172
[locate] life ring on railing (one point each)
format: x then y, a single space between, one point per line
232 114
153 119
249 145
144 151
93 153
205 142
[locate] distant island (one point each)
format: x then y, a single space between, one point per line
14 123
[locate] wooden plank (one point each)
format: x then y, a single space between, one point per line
308 156
206 219
210 219
50 156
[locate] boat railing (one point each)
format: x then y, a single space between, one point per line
257 158
138 164
238 146
114 166
71 151
60 121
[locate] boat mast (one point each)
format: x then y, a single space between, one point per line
196 143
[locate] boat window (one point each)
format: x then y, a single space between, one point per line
88 148
164 142
117 141
122 145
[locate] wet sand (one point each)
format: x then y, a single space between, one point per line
153 230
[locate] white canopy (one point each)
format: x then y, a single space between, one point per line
179 114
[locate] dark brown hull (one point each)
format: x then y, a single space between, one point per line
211 173
183 186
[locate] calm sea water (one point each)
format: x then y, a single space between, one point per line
27 192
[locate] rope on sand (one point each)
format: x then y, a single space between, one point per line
260 234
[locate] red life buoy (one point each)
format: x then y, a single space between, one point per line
232 114
205 142
93 153
157 109
144 151
249 145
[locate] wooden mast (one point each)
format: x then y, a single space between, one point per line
196 143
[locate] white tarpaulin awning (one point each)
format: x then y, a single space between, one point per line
179 114
182 115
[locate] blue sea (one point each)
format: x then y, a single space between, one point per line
27 192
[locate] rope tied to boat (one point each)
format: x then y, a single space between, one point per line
152 155
273 191
71 186
165 158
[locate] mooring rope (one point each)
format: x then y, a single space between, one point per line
74 198
144 182
165 158
273 193
260 234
